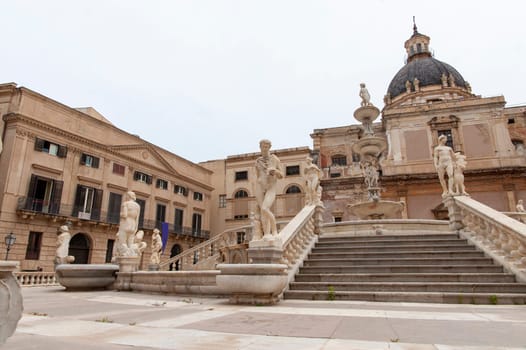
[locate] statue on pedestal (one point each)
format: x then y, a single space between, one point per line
364 94
443 158
157 246
63 238
313 174
268 171
458 174
128 225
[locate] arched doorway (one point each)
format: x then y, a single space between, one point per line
79 247
176 250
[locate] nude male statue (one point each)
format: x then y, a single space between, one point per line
268 171
128 225
63 238
443 158
157 246
364 94
313 174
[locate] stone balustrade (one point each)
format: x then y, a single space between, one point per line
498 235
299 236
204 256
36 279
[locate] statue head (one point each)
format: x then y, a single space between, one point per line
308 160
63 228
156 231
131 195
264 145
362 85
441 138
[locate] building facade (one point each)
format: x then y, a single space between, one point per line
64 165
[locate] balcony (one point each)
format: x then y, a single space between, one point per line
30 207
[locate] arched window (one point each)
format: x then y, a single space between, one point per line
241 194
79 247
293 189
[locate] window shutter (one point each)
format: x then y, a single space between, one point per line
56 196
136 175
97 204
78 199
62 151
95 163
39 144
148 179
185 191
31 192
83 159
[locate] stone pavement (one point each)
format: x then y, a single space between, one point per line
58 320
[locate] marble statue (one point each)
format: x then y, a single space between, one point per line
313 174
157 246
444 79
520 206
416 84
451 80
371 175
128 225
407 86
268 171
443 158
138 245
458 174
63 238
364 94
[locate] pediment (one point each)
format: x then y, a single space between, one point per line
144 154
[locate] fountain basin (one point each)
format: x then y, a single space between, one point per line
370 145
366 114
86 276
377 210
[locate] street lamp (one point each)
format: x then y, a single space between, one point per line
9 240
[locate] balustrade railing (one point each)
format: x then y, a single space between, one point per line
500 236
197 257
299 236
36 279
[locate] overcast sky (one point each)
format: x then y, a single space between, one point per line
208 79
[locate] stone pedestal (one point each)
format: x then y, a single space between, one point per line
127 266
254 284
455 216
265 251
10 300
153 267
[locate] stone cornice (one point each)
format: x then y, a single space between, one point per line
47 169
12 118
117 187
89 180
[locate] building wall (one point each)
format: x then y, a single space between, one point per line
31 120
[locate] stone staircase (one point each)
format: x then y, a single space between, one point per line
430 268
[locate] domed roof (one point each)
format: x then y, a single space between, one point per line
427 70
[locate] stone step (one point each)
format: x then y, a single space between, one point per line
420 237
398 262
401 269
398 254
408 277
395 248
444 287
415 297
389 243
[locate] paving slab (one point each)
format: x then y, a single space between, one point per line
57 320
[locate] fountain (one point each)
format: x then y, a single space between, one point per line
370 147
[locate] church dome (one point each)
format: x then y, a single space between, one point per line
427 70
422 70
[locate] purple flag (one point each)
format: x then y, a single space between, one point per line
164 234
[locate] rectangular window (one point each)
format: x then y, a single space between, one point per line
44 195
88 160
142 204
449 136
293 170
178 221
109 250
198 196
240 237
142 177
118 169
33 245
88 201
339 160
162 184
181 190
241 175
114 208
51 148
196 224
160 215
222 201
